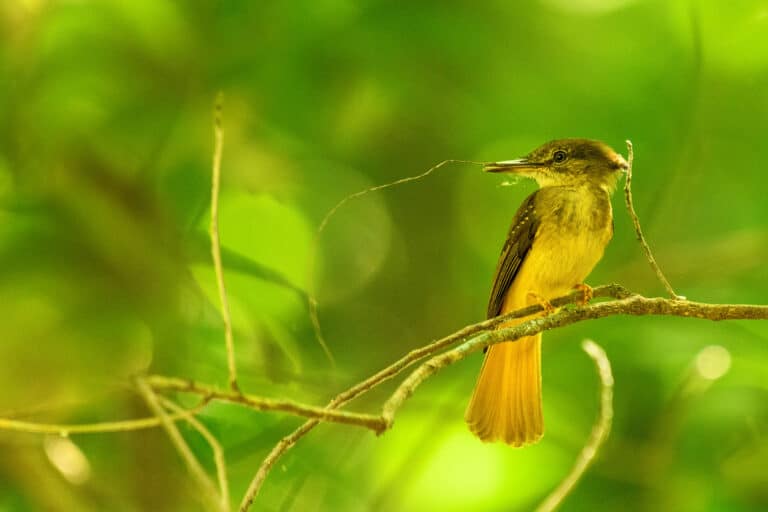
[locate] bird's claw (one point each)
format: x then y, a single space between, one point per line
587 293
541 301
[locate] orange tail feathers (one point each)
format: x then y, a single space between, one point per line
506 404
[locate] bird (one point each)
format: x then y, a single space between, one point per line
557 236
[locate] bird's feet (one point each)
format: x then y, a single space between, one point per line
541 301
587 293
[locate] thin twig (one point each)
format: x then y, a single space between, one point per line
218 139
311 294
269 461
636 221
400 181
597 437
162 383
218 452
93 428
193 465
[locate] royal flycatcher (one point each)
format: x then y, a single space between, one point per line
557 236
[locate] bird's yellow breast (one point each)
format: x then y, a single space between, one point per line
575 227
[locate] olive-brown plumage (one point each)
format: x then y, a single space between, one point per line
557 236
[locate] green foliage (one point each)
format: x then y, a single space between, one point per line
105 151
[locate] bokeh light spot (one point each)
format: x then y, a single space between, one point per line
713 362
67 457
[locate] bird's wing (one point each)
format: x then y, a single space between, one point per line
519 242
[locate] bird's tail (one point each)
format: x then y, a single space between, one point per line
506 404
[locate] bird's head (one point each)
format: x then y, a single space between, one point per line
571 162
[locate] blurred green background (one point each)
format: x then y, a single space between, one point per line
105 151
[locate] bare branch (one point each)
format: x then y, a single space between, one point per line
473 338
476 337
218 452
636 221
161 383
287 442
597 437
193 465
634 305
218 137
93 428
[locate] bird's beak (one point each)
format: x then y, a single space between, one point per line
517 165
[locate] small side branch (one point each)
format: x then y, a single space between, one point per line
218 452
218 139
285 444
193 465
636 221
600 431
161 383
64 429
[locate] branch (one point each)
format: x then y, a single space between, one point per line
636 222
287 442
600 430
95 428
218 452
193 465
627 304
161 383
473 337
282 446
218 137
634 305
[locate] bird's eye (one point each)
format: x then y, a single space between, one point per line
559 156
